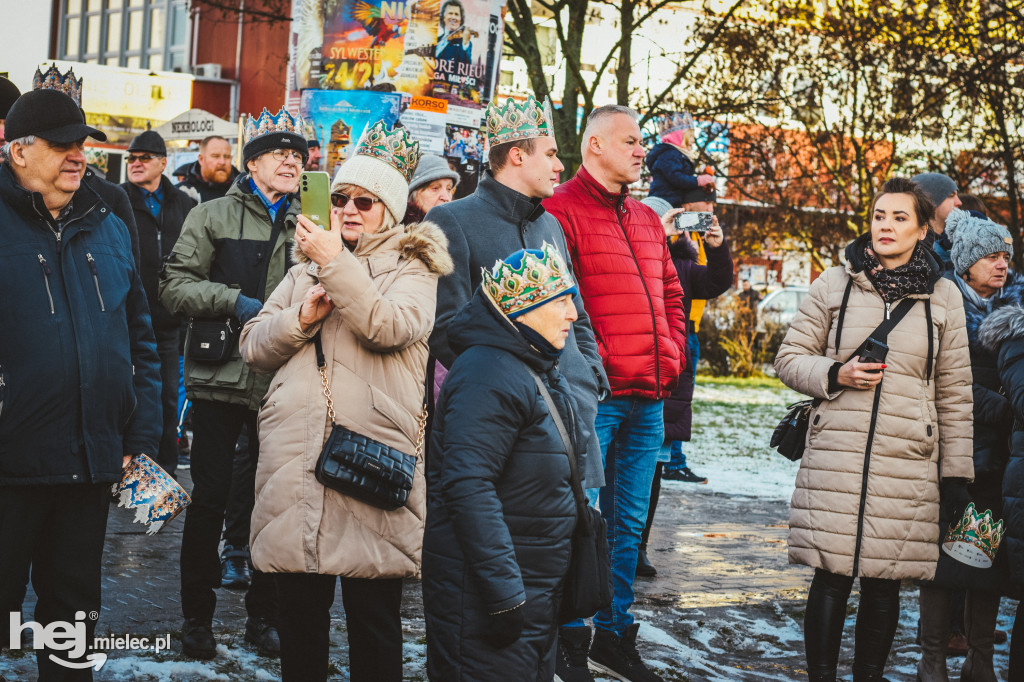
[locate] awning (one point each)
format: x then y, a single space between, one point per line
196 124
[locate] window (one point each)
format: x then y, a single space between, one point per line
149 34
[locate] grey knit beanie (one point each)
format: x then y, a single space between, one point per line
937 186
431 168
974 238
660 206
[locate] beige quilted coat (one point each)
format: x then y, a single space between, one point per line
922 431
375 343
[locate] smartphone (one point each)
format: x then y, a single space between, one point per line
693 221
874 351
315 197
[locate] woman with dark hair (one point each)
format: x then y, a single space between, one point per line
882 433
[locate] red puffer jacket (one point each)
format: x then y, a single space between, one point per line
628 283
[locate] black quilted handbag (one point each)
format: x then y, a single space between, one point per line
359 466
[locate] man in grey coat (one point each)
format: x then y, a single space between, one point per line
501 217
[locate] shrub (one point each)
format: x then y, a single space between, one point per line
732 341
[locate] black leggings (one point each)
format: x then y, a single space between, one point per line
877 618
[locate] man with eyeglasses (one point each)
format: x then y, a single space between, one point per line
159 209
232 253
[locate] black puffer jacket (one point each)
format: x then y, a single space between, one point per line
500 508
1002 333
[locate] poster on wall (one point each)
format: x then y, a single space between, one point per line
424 117
463 40
341 117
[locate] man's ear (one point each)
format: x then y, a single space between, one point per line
515 156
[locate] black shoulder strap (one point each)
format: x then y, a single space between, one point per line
574 473
882 331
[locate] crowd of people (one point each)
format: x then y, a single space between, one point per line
528 350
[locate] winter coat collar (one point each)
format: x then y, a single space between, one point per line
420 241
515 206
480 323
595 188
31 204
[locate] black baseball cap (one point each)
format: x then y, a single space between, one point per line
148 141
51 115
9 92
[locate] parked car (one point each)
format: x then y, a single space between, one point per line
780 306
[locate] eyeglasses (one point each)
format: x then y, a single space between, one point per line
363 203
285 154
144 158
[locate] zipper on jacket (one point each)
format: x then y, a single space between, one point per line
3 390
887 309
650 301
864 476
46 279
96 280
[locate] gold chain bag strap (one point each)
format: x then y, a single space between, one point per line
359 466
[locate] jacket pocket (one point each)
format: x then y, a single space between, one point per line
227 376
394 413
96 280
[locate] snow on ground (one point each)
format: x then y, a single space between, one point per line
731 430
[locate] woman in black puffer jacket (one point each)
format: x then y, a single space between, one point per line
1002 333
500 506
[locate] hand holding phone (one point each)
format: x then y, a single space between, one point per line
315 197
874 351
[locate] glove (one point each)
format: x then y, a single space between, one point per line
247 308
954 499
502 629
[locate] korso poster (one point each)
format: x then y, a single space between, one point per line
466 51
424 118
341 117
379 45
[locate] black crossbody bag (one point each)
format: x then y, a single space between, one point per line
790 436
588 583
359 466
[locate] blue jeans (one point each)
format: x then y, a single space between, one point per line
632 430
184 404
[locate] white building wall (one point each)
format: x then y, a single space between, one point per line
28 46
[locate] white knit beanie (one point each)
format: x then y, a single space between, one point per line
378 178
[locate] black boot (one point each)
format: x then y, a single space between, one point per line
234 568
197 639
263 634
877 619
644 569
823 624
573 648
618 656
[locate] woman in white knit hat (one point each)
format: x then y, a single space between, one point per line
360 304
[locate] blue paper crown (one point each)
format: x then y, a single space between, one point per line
267 123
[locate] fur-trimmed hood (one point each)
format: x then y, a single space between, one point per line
1007 321
423 241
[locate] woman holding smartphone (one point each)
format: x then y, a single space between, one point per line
889 442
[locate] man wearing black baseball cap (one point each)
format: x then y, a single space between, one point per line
159 210
8 94
79 373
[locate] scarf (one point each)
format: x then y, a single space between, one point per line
913 277
539 343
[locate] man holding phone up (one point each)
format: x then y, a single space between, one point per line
232 253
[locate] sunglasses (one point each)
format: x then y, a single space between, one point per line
362 203
144 158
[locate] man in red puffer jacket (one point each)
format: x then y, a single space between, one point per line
631 292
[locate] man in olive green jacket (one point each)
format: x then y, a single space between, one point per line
231 255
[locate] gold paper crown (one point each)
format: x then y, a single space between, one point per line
673 122
53 80
975 539
393 147
516 121
309 132
267 123
527 279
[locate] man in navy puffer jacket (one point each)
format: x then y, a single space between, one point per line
79 373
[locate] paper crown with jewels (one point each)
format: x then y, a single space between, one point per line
156 497
267 123
673 122
975 539
393 147
53 80
527 279
309 132
515 121
269 131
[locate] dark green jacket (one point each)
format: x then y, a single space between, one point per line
220 254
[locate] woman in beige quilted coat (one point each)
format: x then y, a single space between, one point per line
368 287
885 437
